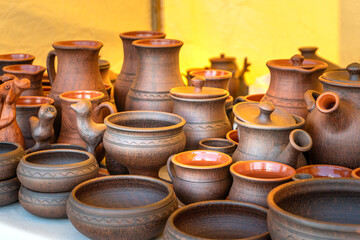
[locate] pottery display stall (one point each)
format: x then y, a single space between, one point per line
15 59
218 144
323 170
310 53
121 207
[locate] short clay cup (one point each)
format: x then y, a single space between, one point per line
121 207
323 170
13 59
200 175
356 173
218 144
233 136
58 170
253 180
217 220
10 155
9 191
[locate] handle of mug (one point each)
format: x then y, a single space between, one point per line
107 105
170 167
50 65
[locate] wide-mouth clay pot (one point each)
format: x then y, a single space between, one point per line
57 170
323 170
320 208
253 180
233 136
10 155
9 191
217 220
356 173
218 144
121 207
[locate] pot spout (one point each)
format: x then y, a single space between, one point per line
328 102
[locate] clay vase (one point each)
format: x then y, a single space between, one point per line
32 72
218 144
10 155
200 175
253 180
127 75
15 59
9 191
334 117
290 79
27 107
204 111
310 53
323 170
158 71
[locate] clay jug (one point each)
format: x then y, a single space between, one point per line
334 118
127 75
158 71
310 53
290 79
15 59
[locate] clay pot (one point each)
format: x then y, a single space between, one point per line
322 170
253 180
233 136
268 133
321 208
121 207
250 98
9 191
310 53
158 71
356 173
32 72
127 75
217 220
218 144
27 107
10 155
14 59
58 170
301 176
214 77
290 79
333 118
46 205
204 111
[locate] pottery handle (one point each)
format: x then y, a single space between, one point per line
50 60
354 71
107 105
170 167
310 97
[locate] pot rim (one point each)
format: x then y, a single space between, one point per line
10 69
231 143
226 74
19 105
217 166
339 84
318 65
144 43
100 96
133 35
78 44
229 138
322 165
355 172
200 100
27 57
18 149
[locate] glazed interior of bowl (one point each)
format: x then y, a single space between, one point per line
211 73
255 97
320 170
33 100
202 158
85 43
57 157
7 147
24 68
82 94
16 56
158 42
143 34
233 136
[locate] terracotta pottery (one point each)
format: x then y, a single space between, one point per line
9 191
217 220
218 144
290 79
188 77
356 173
32 72
158 71
310 53
232 136
204 111
253 180
322 170
250 98
268 133
127 75
14 59
121 207
104 67
46 205
334 117
10 155
320 208
301 176
200 175
237 85
56 170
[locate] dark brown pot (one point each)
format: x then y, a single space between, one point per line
121 207
14 59
56 170
127 75
218 144
217 220
322 208
310 53
253 180
323 170
158 71
10 155
290 79
9 191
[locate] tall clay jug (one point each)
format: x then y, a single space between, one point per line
128 70
158 71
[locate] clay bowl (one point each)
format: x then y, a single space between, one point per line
356 173
10 155
217 220
319 208
58 170
218 144
323 170
233 136
121 207
46 205
14 59
9 191
253 180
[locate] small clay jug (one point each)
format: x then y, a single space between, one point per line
290 79
253 180
218 144
310 53
200 175
204 111
32 72
15 59
127 75
158 71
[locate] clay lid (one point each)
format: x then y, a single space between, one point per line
198 91
263 113
349 75
297 63
222 58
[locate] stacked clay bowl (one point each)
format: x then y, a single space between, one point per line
10 155
121 207
48 176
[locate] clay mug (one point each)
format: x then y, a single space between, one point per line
14 59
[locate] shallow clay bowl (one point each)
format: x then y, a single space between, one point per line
217 220
218 144
9 191
323 170
10 155
121 207
356 173
233 136
58 170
